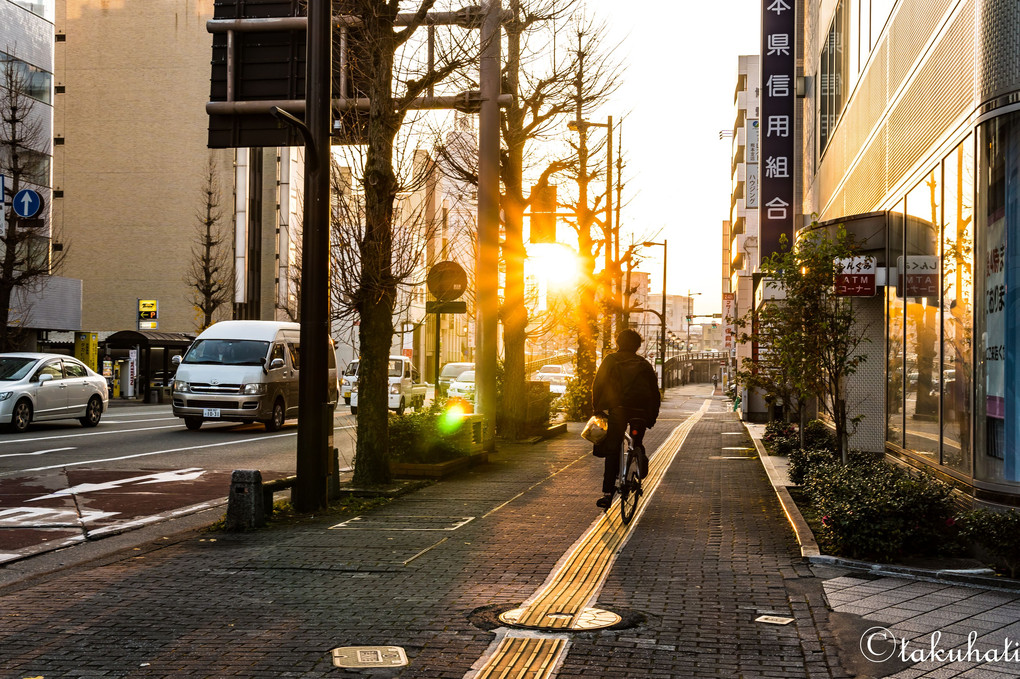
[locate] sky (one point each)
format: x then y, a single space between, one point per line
677 94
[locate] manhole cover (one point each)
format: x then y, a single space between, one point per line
369 656
588 619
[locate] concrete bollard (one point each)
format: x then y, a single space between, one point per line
245 509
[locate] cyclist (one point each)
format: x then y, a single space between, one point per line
625 389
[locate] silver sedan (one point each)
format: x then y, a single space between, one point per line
38 387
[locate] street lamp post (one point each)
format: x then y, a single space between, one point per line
662 337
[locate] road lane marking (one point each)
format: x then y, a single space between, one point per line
90 433
160 477
38 452
154 452
152 419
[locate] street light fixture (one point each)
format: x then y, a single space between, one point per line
662 337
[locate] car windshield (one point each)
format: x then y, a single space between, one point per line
352 369
227 352
396 368
453 369
468 376
15 367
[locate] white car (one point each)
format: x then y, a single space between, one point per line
463 387
38 387
556 376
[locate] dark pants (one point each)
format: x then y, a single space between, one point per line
618 419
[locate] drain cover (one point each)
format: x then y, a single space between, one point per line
773 620
588 619
369 656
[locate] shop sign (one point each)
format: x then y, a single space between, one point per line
777 151
856 277
729 312
148 314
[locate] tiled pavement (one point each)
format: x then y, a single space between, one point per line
711 553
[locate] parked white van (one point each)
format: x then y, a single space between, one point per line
243 371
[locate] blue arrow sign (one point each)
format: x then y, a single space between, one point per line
27 203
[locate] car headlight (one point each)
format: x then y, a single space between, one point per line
5 395
255 388
394 388
181 385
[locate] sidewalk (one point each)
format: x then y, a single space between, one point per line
709 555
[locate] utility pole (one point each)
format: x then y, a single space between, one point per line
487 275
316 423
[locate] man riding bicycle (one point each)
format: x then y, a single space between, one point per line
626 390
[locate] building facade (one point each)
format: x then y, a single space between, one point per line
911 139
50 302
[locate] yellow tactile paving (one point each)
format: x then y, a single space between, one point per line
581 574
576 580
519 658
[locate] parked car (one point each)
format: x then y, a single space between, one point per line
39 387
349 379
243 371
556 376
406 390
449 373
463 387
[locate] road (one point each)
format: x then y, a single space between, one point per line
62 484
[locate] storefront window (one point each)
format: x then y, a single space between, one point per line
917 282
894 357
957 306
995 432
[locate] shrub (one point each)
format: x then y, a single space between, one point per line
781 438
416 438
998 533
870 509
803 460
817 435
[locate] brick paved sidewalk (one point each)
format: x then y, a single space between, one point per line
711 552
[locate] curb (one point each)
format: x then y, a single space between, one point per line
810 551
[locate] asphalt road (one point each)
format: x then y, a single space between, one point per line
62 484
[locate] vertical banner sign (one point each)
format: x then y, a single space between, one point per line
751 182
729 313
776 171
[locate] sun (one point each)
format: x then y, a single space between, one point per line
555 265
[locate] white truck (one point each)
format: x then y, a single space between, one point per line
406 390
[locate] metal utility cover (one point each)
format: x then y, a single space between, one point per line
369 656
773 620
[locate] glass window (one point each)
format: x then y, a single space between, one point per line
295 355
52 369
15 367
894 356
834 65
32 80
995 398
957 306
43 8
276 352
72 369
918 282
227 352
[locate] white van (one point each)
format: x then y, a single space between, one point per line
243 371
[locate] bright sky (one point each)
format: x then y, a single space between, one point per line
681 60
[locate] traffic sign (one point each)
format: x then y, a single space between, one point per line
27 203
446 281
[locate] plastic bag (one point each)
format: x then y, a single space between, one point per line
595 430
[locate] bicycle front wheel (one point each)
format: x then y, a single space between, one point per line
631 490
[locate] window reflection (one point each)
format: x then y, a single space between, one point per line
957 306
43 8
917 283
894 358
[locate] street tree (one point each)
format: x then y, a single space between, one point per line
809 338
210 275
27 256
385 61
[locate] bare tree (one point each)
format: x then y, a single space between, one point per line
388 68
210 276
27 257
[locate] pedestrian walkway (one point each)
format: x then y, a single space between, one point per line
707 581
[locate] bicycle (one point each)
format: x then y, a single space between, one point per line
628 482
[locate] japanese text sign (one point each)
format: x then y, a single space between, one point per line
856 277
777 150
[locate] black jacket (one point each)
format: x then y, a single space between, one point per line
626 379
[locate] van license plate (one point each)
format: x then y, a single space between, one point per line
210 412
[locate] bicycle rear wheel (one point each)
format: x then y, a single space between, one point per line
631 490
